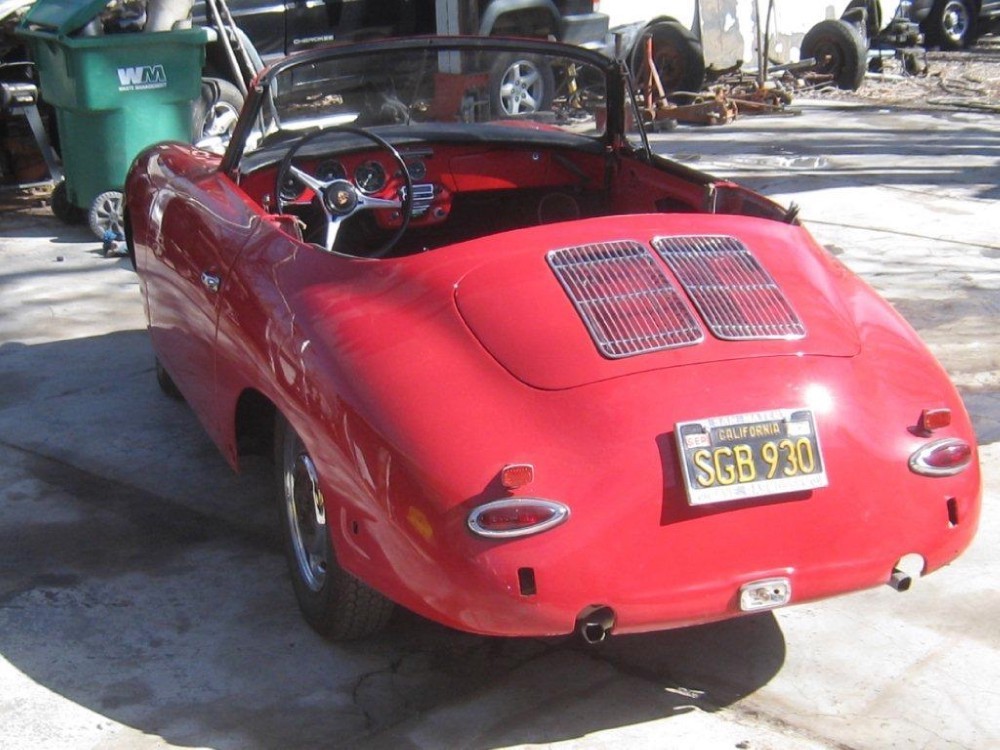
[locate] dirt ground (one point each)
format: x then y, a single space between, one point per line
965 79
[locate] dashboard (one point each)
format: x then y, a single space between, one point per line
437 173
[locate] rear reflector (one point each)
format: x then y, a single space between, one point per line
942 458
516 516
934 419
513 476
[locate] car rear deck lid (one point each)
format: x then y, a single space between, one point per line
600 305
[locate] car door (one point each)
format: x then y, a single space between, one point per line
201 232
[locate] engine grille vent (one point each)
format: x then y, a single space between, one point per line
735 295
625 299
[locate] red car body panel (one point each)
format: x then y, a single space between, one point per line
413 380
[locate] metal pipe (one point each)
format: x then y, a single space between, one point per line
227 45
900 580
595 626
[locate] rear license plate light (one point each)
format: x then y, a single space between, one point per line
766 594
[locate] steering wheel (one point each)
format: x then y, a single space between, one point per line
340 198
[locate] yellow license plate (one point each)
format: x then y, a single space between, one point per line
750 455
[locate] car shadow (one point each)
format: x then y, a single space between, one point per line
141 580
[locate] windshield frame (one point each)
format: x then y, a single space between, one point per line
257 96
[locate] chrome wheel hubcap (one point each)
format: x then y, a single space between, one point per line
306 516
521 89
955 21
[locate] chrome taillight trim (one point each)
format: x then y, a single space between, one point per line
560 513
625 299
919 459
741 302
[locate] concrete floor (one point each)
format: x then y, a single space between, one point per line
144 603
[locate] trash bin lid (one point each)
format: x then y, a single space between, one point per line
62 16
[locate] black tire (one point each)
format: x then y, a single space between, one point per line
215 112
129 240
65 211
335 604
520 85
166 383
839 50
950 25
677 54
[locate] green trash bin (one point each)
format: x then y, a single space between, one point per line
113 94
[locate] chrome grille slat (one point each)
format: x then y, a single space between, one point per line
736 296
625 299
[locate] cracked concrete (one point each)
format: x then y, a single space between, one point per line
144 602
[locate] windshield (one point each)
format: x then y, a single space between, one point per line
463 86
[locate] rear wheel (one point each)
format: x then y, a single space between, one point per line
839 50
215 113
335 603
677 55
950 24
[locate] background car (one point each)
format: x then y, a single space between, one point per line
521 375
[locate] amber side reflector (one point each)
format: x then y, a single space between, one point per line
513 476
934 419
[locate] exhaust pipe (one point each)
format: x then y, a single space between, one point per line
900 580
595 626
906 570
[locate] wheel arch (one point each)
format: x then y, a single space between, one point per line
253 425
508 16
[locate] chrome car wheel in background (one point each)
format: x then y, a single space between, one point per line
521 85
950 24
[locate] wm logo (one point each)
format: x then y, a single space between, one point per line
142 75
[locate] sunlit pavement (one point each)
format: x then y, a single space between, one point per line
144 603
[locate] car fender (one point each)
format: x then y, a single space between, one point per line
501 8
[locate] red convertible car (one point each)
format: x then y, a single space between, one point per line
523 376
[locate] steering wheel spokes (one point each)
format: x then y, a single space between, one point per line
340 199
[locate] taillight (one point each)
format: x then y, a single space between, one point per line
516 516
942 458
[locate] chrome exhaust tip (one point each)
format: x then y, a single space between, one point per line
595 624
906 570
900 580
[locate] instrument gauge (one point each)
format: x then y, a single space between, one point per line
417 170
328 171
291 189
370 177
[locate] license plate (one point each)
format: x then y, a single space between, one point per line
750 455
